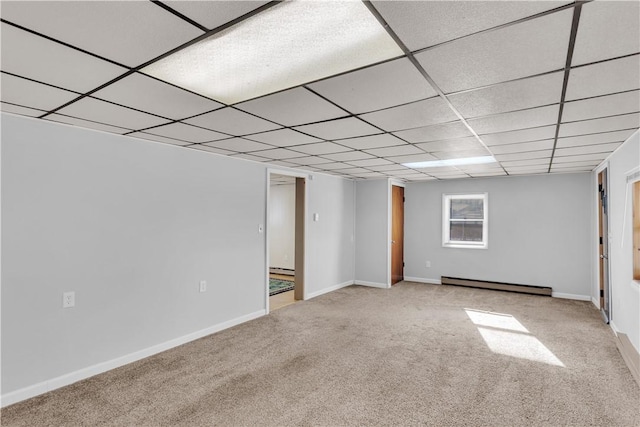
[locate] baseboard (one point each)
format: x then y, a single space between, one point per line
629 354
372 284
595 302
571 296
421 280
84 373
329 289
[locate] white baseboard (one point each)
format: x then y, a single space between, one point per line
372 284
422 280
571 296
81 374
329 289
595 302
629 354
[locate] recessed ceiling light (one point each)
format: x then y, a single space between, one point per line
289 44
451 162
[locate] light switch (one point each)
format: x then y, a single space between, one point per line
316 217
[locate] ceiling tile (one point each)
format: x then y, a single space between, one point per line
585 164
381 86
332 166
104 112
422 24
157 138
587 149
523 147
374 141
526 162
487 174
23 111
212 14
252 157
455 176
211 149
339 129
477 152
451 130
451 145
320 148
609 105
571 169
239 145
542 154
27 93
84 24
353 171
505 97
413 158
347 156
232 121
421 113
598 138
580 158
186 133
369 175
151 95
283 138
370 162
529 172
86 124
523 135
398 150
310 160
292 107
387 168
606 124
534 117
35 57
521 50
604 78
607 29
277 154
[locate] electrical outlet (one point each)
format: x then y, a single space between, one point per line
203 286
68 299
428 264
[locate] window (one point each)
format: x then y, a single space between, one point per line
465 220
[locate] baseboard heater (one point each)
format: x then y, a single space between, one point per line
497 286
285 271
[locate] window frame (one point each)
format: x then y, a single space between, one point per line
446 221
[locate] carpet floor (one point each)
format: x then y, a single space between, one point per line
415 354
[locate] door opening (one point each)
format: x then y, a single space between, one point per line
603 246
397 234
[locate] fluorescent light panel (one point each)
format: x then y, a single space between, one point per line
451 162
287 45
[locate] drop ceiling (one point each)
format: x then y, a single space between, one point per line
543 86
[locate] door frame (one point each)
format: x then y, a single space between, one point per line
391 183
598 273
300 253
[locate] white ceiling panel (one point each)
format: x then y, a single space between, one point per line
239 145
576 169
277 153
586 164
332 166
53 63
587 149
370 162
523 147
398 150
499 172
104 112
534 117
422 113
312 160
528 172
320 148
580 158
211 149
186 133
516 95
609 105
23 111
521 50
212 14
86 124
347 156
604 78
598 138
292 107
527 169
374 141
606 124
157 138
477 152
523 135
352 170
452 130
232 121
27 93
252 157
283 138
607 29
369 175
542 161
387 168
381 86
106 28
451 145
413 158
542 154
339 129
421 24
151 95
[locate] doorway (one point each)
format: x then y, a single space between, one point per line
397 234
603 246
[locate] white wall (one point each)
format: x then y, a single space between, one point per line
372 232
539 232
282 226
625 292
132 226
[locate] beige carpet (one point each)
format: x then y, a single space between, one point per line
410 355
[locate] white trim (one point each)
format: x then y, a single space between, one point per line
571 296
372 284
613 327
81 374
389 229
421 280
329 289
446 229
595 302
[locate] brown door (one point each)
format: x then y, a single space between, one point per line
397 234
603 246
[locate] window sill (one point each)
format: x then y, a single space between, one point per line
463 246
